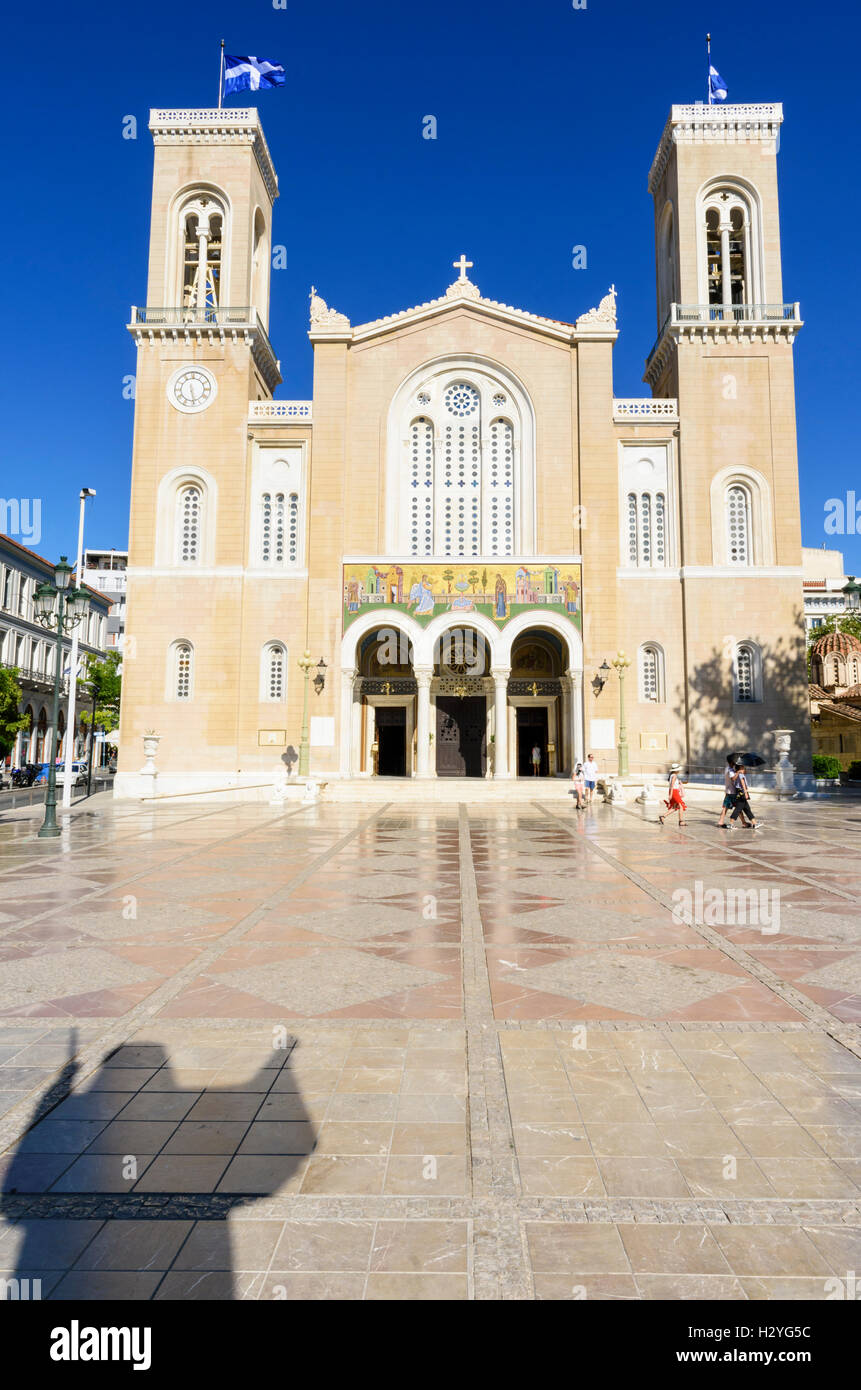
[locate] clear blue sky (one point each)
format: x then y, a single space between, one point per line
548 118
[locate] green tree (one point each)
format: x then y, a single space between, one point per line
448 578
473 577
11 719
105 683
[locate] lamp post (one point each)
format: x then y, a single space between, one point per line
73 660
59 607
621 664
305 663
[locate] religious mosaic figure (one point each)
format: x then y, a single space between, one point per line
572 591
500 598
421 594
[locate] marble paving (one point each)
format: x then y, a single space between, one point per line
430 1053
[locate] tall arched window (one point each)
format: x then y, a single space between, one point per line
421 486
738 519
747 673
731 272
651 671
273 526
293 531
202 225
273 672
462 488
189 524
181 670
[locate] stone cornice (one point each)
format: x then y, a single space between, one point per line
778 323
210 126
464 294
168 325
728 125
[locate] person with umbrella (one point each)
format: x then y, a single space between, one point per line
730 790
742 792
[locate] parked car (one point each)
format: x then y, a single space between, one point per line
79 774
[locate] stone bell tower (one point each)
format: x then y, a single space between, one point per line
203 355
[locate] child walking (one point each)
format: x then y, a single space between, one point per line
578 777
742 798
675 800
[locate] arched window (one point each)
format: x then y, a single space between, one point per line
666 264
273 527
855 677
202 225
189 524
181 671
293 529
273 673
731 273
651 672
421 486
747 673
460 487
633 549
738 522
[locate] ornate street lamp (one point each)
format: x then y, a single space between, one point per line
60 608
320 678
305 663
853 595
621 664
599 680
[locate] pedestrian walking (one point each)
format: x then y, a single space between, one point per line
536 759
578 777
590 771
742 798
675 800
729 791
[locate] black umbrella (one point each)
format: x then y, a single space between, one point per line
750 760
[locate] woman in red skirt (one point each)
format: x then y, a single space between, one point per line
675 801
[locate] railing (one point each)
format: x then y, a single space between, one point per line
279 410
195 317
735 313
637 408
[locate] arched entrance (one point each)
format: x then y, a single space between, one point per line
387 690
538 665
462 697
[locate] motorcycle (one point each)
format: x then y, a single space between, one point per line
25 776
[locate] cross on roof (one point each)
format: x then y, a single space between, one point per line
463 265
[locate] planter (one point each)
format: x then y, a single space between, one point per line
150 743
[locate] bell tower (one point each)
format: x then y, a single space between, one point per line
203 353
724 351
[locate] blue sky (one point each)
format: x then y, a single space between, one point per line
548 118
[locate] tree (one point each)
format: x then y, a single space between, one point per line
473 577
448 578
105 683
11 719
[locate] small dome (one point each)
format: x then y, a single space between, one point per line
836 643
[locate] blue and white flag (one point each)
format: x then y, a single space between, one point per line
717 86
251 74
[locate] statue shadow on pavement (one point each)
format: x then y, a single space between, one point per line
204 1154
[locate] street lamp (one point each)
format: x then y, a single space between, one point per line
305 663
853 595
621 664
59 607
84 494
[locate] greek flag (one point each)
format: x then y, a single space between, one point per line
251 74
717 86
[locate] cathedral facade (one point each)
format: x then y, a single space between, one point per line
464 547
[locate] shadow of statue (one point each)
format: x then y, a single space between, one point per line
156 1151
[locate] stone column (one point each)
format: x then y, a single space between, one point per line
348 676
726 282
423 676
565 750
576 707
500 721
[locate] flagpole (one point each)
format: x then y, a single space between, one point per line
709 66
220 74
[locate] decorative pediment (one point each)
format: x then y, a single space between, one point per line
605 313
324 317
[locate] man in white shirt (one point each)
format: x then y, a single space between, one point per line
590 767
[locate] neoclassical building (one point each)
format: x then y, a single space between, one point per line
465 525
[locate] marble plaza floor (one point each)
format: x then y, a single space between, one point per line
394 1052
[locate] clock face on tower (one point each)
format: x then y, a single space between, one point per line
192 389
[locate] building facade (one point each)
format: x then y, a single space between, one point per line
463 527
105 571
824 586
30 649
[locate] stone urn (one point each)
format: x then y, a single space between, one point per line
784 769
150 743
